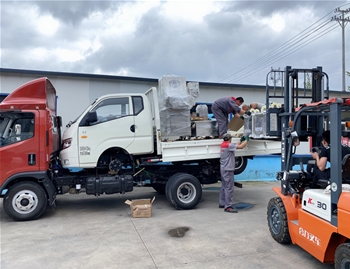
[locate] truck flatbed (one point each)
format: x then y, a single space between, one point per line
210 149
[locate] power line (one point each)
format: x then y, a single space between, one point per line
276 51
286 48
272 61
342 22
294 49
283 50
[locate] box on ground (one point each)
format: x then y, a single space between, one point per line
141 208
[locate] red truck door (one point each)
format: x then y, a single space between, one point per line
19 147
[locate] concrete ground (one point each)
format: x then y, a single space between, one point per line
98 232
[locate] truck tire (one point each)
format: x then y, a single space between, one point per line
184 191
277 221
170 181
240 164
342 256
25 201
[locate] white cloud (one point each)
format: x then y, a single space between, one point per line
202 40
122 22
276 22
190 11
47 25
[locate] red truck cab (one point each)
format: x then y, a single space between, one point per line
30 136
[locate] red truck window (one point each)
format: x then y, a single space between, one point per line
16 127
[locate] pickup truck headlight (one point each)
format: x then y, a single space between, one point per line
66 143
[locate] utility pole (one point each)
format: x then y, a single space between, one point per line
342 22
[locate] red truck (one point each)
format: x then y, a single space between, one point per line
30 137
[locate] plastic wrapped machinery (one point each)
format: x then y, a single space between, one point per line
258 125
176 98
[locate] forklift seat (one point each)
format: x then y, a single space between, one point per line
346 169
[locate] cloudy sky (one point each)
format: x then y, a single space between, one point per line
212 41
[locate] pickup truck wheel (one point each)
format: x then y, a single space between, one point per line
277 221
170 181
240 164
185 191
342 256
25 201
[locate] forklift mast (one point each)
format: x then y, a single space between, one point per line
293 88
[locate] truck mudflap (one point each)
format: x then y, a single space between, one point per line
50 189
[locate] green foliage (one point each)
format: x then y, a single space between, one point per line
348 73
308 81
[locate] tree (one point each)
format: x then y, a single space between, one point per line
348 73
308 81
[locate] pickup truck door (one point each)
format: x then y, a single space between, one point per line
143 127
122 122
114 128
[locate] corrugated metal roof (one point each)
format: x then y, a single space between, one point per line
113 77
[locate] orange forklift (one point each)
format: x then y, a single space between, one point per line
316 219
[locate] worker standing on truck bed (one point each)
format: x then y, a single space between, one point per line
224 106
227 169
256 105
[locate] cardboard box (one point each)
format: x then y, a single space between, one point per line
141 208
235 124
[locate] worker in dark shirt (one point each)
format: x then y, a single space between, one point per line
256 105
321 158
222 107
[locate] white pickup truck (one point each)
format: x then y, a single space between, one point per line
119 132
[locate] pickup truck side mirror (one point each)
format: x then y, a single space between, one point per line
91 117
59 121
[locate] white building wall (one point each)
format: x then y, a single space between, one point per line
76 92
210 94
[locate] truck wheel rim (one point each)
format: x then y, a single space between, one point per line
275 220
238 163
24 202
186 192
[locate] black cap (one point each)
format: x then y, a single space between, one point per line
227 137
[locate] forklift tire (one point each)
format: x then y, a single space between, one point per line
240 164
342 256
184 191
277 221
25 201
